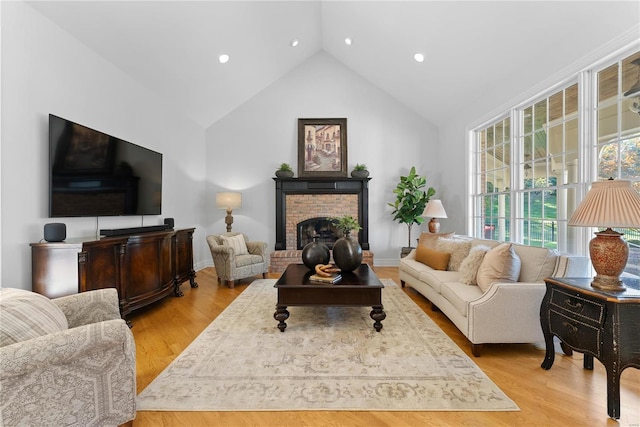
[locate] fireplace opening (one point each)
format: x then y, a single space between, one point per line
320 226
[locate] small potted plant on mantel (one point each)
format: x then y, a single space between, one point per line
284 171
359 171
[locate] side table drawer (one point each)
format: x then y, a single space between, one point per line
581 336
578 306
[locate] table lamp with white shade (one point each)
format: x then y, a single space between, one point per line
228 200
609 204
434 210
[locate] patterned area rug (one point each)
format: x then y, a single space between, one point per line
329 358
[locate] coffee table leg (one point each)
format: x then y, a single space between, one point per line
281 315
378 315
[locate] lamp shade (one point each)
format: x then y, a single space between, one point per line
434 209
611 203
228 200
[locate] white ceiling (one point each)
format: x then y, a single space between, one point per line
172 47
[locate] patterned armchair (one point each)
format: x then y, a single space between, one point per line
235 257
66 361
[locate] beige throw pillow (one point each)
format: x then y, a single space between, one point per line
237 243
430 239
500 264
470 265
458 248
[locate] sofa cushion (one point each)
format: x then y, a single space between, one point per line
432 258
457 247
459 295
471 264
500 264
25 315
436 278
537 263
430 239
412 267
236 242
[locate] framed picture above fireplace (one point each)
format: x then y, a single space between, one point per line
322 147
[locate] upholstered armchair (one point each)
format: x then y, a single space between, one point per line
235 257
67 361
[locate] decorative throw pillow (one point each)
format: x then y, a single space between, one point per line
430 239
237 243
434 259
500 264
458 248
25 315
470 265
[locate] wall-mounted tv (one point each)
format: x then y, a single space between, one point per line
95 174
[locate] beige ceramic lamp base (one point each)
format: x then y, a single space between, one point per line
434 226
609 254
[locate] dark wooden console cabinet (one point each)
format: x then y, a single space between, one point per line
144 267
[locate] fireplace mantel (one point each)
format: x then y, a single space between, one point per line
322 185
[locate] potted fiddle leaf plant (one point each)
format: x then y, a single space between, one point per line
411 199
284 171
347 252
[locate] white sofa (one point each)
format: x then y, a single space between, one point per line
507 312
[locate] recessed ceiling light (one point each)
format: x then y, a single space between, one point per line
348 41
418 57
224 58
294 43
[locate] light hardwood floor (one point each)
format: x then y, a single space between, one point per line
566 395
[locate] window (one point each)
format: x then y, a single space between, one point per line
618 136
492 198
530 164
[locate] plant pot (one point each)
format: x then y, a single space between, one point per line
347 253
315 253
359 173
284 174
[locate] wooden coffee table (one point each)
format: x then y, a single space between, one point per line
359 288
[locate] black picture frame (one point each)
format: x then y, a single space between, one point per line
322 147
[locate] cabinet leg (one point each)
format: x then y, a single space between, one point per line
587 363
192 280
176 289
566 349
550 353
613 393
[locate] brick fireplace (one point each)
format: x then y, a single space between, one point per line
302 206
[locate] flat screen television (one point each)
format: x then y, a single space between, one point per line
95 174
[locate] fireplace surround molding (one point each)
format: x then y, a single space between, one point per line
319 186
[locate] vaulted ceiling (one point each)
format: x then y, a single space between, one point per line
172 47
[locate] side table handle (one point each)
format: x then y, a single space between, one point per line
570 327
577 305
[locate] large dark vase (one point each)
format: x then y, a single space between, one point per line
315 253
347 253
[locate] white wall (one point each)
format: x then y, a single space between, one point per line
45 70
244 149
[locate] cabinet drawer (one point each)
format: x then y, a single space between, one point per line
580 307
579 335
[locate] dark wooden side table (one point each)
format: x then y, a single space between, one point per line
600 324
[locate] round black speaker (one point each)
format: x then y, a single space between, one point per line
55 232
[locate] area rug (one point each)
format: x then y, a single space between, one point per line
328 358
